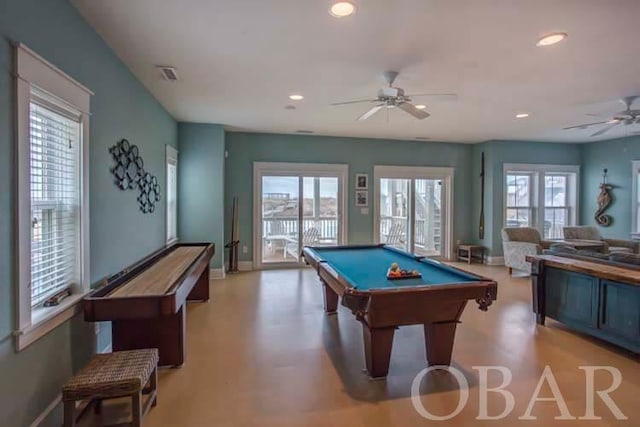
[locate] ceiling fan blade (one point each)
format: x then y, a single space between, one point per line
436 96
371 112
585 125
354 102
605 129
411 109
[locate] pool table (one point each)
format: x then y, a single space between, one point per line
358 275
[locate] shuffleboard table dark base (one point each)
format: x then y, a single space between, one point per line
152 321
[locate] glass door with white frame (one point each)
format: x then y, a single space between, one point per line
280 211
428 217
298 208
412 208
394 212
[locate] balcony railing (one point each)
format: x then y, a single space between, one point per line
328 228
287 226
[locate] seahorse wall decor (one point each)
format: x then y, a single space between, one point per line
604 201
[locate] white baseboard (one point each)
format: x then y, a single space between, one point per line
44 414
245 265
216 273
495 260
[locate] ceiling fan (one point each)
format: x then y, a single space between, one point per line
391 97
626 117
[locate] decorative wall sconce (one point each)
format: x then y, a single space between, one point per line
130 174
604 200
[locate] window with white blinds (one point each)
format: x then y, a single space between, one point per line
53 114
55 155
172 206
172 193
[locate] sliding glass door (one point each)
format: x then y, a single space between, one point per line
412 207
298 205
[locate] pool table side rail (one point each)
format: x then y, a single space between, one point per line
100 306
317 262
484 291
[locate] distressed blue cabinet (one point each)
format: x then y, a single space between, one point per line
587 302
572 298
620 314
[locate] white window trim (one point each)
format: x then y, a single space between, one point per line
538 198
445 174
32 70
286 169
171 158
635 171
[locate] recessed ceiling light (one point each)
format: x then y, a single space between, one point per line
552 38
341 9
289 107
421 106
522 115
296 97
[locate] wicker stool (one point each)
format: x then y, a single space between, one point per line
111 375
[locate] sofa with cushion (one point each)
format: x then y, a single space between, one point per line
584 232
616 259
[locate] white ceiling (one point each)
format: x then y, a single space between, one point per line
238 60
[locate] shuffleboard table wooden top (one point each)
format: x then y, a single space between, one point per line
162 275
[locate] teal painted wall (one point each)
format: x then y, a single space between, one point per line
360 154
201 186
497 153
616 156
120 233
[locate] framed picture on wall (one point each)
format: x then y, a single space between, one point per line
362 198
362 181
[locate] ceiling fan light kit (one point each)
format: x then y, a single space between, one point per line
626 117
394 97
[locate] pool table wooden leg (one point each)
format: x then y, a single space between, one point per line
439 338
330 299
377 349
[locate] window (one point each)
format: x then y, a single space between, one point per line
53 211
172 194
519 200
541 196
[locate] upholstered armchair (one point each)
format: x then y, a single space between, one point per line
585 232
517 243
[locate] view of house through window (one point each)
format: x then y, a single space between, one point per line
541 198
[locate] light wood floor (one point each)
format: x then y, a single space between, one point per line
263 353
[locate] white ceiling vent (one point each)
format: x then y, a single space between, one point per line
168 73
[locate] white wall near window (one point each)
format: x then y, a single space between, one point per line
172 194
52 140
541 196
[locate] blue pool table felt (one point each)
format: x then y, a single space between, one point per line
366 268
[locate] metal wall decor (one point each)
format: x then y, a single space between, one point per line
604 201
130 174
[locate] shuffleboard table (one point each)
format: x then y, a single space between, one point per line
145 302
358 275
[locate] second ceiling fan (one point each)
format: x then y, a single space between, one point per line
394 97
